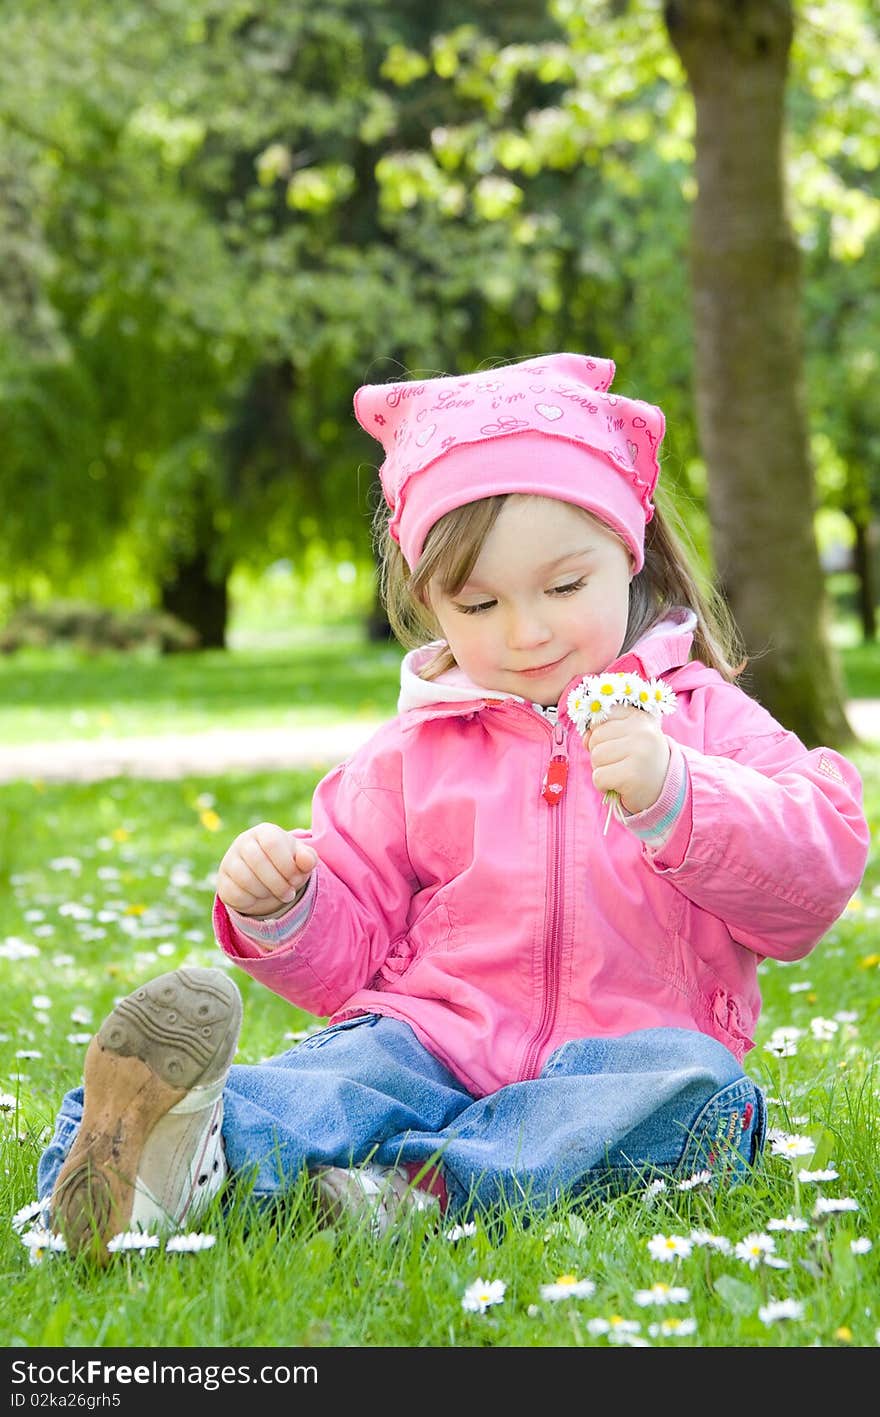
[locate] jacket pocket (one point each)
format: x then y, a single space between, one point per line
728 1019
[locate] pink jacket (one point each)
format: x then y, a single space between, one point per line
451 894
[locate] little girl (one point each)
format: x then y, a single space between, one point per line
525 1000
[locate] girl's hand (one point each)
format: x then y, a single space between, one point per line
630 756
264 871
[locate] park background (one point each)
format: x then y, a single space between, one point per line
216 221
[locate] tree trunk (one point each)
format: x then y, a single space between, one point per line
863 567
749 360
198 598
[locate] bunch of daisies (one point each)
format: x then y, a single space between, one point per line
591 701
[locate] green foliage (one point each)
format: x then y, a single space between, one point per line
216 221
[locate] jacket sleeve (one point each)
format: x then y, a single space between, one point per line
363 886
778 840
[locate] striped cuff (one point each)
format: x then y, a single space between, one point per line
656 824
278 930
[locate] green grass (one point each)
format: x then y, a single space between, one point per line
305 676
105 884
318 675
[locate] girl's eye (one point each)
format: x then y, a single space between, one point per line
475 609
568 589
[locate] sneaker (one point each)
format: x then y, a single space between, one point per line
379 1194
149 1153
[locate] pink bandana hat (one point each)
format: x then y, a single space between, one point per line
546 426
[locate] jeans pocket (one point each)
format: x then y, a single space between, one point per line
332 1030
728 1135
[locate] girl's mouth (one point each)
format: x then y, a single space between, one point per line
541 669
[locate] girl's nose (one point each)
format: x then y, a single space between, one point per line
525 629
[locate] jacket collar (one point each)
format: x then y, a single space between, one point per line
664 647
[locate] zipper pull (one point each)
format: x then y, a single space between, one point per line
556 775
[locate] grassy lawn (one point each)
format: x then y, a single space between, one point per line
320 674
312 674
105 884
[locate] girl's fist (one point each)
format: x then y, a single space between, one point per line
264 870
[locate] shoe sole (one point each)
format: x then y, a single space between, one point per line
174 1033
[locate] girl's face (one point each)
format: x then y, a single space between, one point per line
546 602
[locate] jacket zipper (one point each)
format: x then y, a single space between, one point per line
552 790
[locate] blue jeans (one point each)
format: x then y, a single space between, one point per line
604 1113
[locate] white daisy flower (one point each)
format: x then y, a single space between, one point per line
781 1047
661 698
41 1001
13 948
66 863
669 1247
190 1243
655 1188
831 1205
81 1014
828 1174
41 1243
788 1222
823 1029
673 1328
793 1146
783 1042
480 1295
803 986
861 1246
776 1309
707 1240
7 1102
79 1038
662 1294
614 1325
132 1240
758 1249
72 910
700 1178
27 1212
462 1232
576 704
568 1286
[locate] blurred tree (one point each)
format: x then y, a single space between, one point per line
834 123
216 220
749 371
746 291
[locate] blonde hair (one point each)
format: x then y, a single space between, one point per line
454 542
